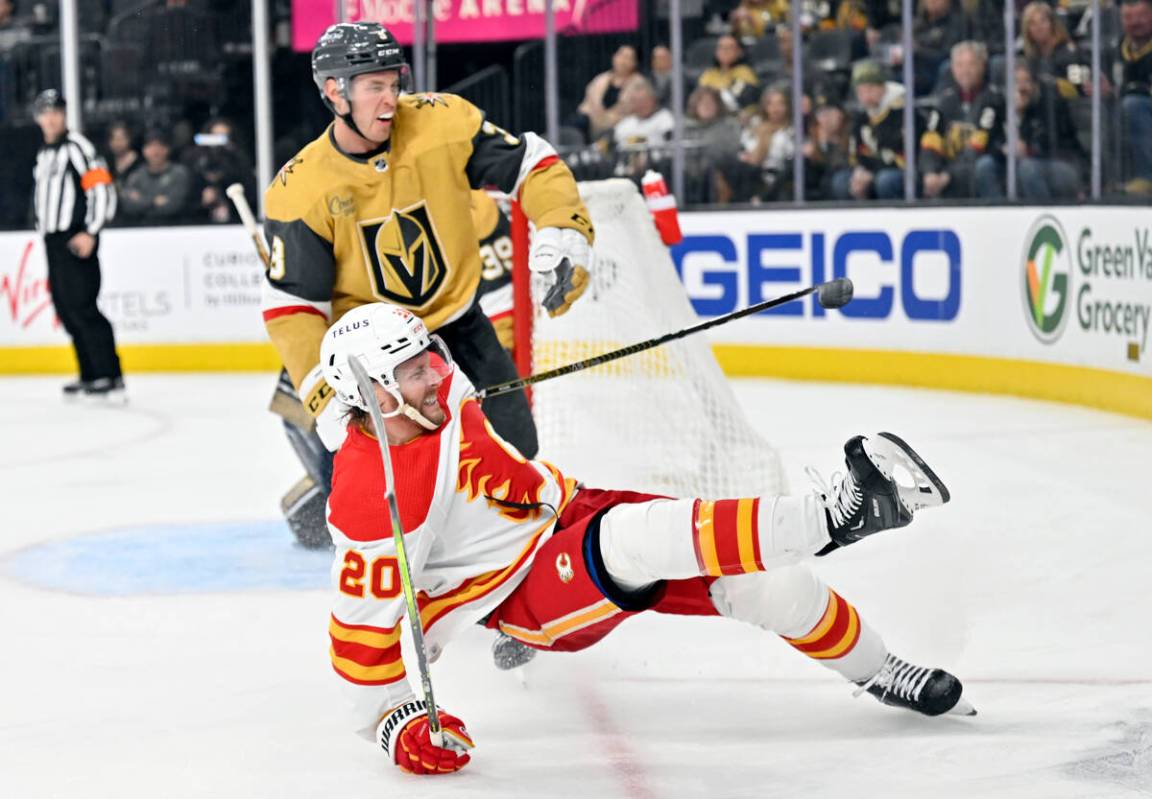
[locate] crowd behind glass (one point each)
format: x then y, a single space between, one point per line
159 105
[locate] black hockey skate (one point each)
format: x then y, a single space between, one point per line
74 390
106 389
868 498
508 653
931 692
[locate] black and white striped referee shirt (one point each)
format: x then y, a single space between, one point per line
74 190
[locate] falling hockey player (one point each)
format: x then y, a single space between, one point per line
492 536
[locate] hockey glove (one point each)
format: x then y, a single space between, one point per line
329 413
564 253
403 734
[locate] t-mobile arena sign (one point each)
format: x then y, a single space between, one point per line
466 20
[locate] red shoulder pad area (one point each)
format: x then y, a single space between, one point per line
357 507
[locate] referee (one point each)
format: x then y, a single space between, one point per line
74 199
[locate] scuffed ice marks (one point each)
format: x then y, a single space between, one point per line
1127 762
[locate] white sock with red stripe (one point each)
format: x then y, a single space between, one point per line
794 603
675 539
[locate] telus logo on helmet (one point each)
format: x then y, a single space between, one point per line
339 331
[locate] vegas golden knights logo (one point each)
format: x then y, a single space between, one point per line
405 260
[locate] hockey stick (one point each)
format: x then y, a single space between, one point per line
235 193
833 294
364 383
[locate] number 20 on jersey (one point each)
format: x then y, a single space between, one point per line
382 578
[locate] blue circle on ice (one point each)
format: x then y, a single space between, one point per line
173 559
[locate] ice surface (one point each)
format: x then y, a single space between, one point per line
160 637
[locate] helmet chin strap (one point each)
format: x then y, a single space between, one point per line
417 417
404 409
348 120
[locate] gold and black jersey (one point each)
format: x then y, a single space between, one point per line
396 225
494 234
962 127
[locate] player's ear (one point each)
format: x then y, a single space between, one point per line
332 92
387 400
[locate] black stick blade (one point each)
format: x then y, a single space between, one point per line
835 293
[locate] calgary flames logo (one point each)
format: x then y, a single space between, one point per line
493 469
564 568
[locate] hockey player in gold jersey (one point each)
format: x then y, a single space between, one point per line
378 208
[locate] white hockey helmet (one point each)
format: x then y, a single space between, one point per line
383 336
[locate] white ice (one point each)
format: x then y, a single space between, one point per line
1032 586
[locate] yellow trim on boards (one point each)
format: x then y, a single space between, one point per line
1096 388
1081 385
208 357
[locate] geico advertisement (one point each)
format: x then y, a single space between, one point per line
158 285
1065 285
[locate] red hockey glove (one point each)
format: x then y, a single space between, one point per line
404 735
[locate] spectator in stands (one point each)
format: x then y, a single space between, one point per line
753 19
876 151
602 107
938 27
766 161
818 83
123 157
160 192
961 151
13 30
732 76
1051 158
849 15
217 162
661 74
710 126
711 136
1136 91
648 125
884 17
1049 51
986 23
827 149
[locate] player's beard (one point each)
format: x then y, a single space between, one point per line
432 410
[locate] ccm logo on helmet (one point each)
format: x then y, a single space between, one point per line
339 331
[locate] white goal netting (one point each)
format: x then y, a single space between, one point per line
664 420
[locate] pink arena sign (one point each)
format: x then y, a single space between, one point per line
466 20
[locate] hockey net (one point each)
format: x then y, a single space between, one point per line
663 421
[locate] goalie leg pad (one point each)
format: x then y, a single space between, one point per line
304 508
313 455
304 504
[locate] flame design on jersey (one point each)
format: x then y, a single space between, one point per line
492 468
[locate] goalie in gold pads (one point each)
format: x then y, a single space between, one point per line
378 208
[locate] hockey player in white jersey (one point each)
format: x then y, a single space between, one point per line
528 550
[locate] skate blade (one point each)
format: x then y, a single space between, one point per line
962 708
888 451
115 399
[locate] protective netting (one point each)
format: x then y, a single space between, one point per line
664 420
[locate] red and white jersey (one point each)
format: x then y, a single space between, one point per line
475 512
